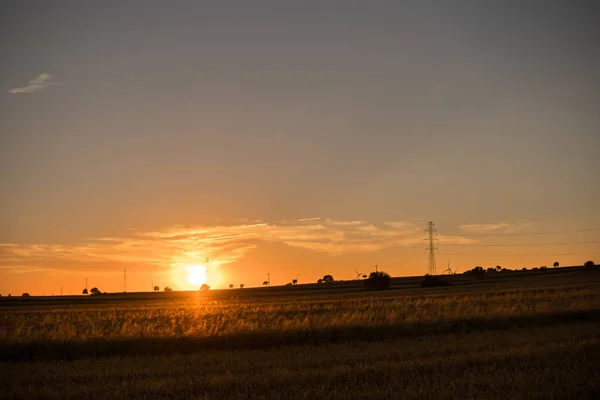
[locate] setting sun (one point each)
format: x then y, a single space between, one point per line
196 275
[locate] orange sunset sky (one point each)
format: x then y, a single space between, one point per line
296 139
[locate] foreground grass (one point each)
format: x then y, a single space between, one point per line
529 339
549 362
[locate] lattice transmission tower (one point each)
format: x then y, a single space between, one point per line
431 246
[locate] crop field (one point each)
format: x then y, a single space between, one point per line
515 335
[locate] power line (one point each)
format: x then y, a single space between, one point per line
520 254
520 244
530 234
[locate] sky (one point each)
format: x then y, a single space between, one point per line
295 139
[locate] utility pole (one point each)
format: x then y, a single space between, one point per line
206 269
431 246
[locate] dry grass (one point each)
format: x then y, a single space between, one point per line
529 339
200 317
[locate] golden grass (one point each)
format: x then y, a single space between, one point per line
202 317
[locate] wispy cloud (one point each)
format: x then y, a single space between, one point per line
176 246
40 82
500 227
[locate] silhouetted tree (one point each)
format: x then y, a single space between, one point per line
589 264
204 287
25 294
328 279
241 285
156 288
95 291
266 283
289 284
294 281
534 268
9 295
364 276
490 269
523 269
477 272
320 280
231 286
168 289
498 268
85 291
378 280
543 267
556 264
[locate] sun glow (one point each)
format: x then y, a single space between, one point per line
196 275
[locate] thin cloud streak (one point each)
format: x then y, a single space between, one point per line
179 246
500 227
40 82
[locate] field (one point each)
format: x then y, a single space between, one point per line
532 334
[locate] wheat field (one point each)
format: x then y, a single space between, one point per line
525 337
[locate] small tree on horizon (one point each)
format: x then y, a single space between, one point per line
231 286
204 287
378 280
294 281
85 291
320 280
556 264
328 279
156 288
241 285
589 264
266 283
168 289
25 294
95 291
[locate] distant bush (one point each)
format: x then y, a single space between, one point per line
328 279
433 281
168 289
25 295
589 264
477 272
378 281
95 291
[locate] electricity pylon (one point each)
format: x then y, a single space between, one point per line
431 246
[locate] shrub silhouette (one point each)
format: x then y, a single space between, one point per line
25 295
433 281
168 289
156 288
241 285
556 264
477 272
379 280
589 264
328 279
85 291
95 291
